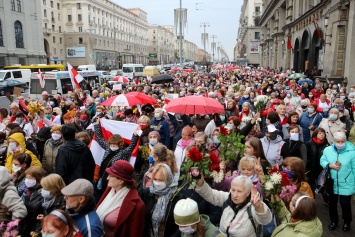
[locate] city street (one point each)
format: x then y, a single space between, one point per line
324 217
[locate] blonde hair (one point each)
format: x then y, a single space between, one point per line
144 119
56 128
161 168
248 161
53 183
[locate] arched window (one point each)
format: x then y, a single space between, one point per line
18 35
45 13
1 40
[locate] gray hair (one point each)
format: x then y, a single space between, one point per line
304 101
334 110
246 103
203 135
246 181
159 110
339 136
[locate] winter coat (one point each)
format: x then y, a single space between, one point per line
20 139
300 228
74 161
33 199
306 121
131 215
241 226
344 178
59 203
274 149
9 197
179 154
87 220
209 228
331 128
49 154
163 128
296 149
314 153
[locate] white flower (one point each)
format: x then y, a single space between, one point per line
269 185
246 120
217 177
276 178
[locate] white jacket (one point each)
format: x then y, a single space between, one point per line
241 226
331 128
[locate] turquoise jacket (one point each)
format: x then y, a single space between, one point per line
344 178
210 229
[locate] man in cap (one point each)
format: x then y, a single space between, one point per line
80 205
44 101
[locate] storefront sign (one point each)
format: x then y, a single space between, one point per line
75 52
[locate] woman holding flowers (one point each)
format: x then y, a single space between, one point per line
245 115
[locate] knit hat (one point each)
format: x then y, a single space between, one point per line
121 169
186 212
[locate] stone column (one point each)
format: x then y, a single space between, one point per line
349 69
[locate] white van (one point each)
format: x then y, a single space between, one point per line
90 67
60 82
22 75
132 70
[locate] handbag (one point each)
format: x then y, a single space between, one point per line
324 182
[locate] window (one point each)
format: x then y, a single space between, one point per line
80 29
13 5
19 5
1 40
55 51
78 6
79 17
45 25
60 40
69 17
17 74
80 40
18 34
53 29
58 6
45 13
257 35
44 2
52 4
60 29
257 9
58 16
61 52
53 39
89 7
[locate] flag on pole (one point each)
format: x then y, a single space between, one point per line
289 45
75 77
41 78
109 128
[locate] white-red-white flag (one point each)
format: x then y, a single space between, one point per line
109 128
41 78
75 77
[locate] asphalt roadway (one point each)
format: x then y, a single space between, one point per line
323 215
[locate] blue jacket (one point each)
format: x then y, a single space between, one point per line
163 128
344 178
306 121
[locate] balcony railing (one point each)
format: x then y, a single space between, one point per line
256 14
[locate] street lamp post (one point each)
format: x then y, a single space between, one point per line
213 46
180 33
204 25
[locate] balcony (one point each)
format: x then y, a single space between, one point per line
46 31
256 14
53 20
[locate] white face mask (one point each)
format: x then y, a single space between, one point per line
7 133
153 141
294 136
46 194
19 120
12 146
215 140
30 183
56 136
159 185
15 168
114 148
187 230
340 146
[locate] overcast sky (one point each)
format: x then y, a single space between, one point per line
222 16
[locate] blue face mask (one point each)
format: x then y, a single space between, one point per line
289 173
229 126
151 160
333 117
222 117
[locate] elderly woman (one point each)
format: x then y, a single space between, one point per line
142 162
114 150
120 209
180 150
303 107
332 124
309 121
324 103
51 148
301 220
242 207
59 222
245 115
84 120
340 157
159 200
159 124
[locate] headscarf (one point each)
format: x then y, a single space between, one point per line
163 200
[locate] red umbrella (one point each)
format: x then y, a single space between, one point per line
231 68
175 69
120 79
194 105
145 99
188 70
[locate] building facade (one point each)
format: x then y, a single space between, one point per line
248 40
305 35
21 33
161 45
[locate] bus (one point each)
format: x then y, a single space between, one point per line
35 67
59 82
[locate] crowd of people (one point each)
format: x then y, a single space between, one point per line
51 182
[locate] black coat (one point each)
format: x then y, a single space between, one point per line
75 161
59 203
171 229
33 201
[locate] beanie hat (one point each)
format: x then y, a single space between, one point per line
186 212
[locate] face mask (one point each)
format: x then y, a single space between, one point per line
19 120
246 96
215 140
30 183
151 160
289 173
310 110
222 117
56 136
342 97
268 90
51 103
153 141
273 135
46 194
113 148
304 107
15 168
157 116
159 185
48 116
333 117
84 117
310 96
288 95
226 96
229 126
339 146
12 146
143 126
294 136
187 230
329 92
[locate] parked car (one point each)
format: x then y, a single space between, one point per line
116 72
7 86
104 75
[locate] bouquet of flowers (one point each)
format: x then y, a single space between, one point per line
144 152
34 107
246 120
287 192
9 229
260 102
207 164
273 183
231 144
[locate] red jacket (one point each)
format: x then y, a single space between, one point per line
130 219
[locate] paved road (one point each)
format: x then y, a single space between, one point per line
323 215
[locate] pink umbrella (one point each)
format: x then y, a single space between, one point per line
121 79
194 105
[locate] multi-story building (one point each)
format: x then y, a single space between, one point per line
306 34
161 45
189 51
248 40
96 32
203 56
21 33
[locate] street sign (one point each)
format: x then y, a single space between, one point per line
152 55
